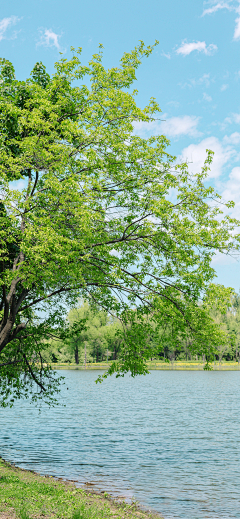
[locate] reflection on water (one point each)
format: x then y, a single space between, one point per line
170 439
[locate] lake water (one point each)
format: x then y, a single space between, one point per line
171 439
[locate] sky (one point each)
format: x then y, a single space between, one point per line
194 72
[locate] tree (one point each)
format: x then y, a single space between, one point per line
229 321
98 333
101 214
77 319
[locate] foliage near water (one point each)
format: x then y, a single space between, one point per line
27 496
101 343
104 215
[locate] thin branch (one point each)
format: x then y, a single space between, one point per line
35 183
32 374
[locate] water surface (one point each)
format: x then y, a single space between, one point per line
171 439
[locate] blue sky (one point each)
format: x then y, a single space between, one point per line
194 72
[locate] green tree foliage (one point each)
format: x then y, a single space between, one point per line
104 338
229 321
102 215
98 334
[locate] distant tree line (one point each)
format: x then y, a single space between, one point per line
100 340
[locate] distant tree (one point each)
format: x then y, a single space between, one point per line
77 319
229 321
98 333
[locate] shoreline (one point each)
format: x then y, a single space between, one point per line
26 494
155 366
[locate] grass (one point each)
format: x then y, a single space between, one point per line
27 495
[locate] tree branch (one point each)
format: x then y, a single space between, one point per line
32 374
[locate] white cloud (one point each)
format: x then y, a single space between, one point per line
203 80
18 184
206 97
234 118
176 126
195 155
166 55
144 129
216 7
231 191
172 127
200 46
236 35
5 23
231 6
231 119
234 138
235 175
224 87
49 39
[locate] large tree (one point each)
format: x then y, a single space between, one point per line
89 209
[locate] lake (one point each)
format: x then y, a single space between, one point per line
170 440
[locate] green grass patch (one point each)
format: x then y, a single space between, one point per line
26 495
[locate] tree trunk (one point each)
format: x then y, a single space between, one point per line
76 353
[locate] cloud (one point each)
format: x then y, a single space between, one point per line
176 126
145 130
195 155
234 138
18 184
231 190
224 87
234 118
230 7
236 35
200 46
172 127
206 97
203 80
5 23
49 39
166 55
216 7
221 259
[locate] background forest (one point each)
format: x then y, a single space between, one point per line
101 341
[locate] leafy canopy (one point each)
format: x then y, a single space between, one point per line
99 214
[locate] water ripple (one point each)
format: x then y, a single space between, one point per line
170 440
